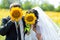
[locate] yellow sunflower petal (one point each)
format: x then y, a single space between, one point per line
16 13
30 18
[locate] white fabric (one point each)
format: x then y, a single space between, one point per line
16 29
48 28
31 36
21 30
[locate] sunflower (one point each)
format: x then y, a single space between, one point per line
30 18
16 13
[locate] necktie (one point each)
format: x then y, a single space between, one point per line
18 31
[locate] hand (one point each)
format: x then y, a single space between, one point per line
39 37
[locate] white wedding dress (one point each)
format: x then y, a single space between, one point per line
31 36
46 27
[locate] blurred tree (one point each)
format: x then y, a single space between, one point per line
47 7
5 4
15 1
27 5
57 9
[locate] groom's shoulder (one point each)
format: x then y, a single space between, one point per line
5 20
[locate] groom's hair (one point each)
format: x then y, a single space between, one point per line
15 5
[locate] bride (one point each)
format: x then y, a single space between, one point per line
44 25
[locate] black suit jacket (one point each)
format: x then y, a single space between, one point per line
9 29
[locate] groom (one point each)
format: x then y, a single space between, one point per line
9 28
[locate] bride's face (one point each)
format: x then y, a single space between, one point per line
36 14
33 11
33 27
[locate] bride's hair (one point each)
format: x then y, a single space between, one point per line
33 11
36 14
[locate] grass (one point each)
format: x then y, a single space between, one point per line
55 16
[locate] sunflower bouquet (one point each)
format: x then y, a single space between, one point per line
16 13
29 20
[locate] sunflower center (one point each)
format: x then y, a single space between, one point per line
30 18
16 14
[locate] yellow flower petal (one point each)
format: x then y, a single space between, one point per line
16 13
30 18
